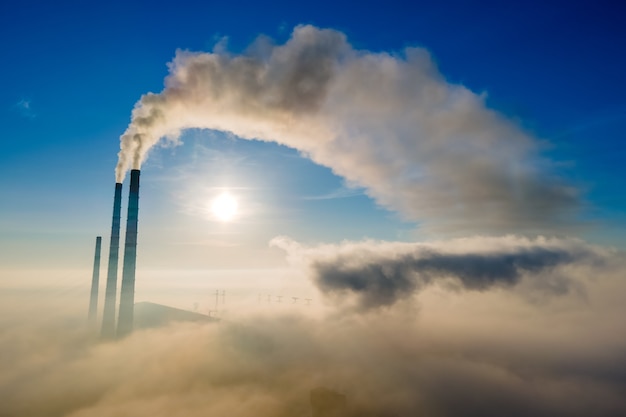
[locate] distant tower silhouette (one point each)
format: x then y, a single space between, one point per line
95 283
108 315
127 294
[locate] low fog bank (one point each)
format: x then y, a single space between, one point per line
445 350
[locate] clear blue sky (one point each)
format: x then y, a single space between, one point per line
72 72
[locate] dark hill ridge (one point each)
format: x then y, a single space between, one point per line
148 315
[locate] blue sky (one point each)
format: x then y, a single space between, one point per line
73 72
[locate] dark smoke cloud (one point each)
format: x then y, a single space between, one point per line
381 273
387 122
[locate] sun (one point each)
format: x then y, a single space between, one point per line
224 207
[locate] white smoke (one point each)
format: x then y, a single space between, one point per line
390 123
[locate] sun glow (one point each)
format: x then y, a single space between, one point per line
224 207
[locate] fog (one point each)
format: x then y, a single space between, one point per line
445 350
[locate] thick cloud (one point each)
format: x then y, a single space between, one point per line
471 353
381 273
390 123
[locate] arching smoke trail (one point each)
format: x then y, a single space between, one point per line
390 123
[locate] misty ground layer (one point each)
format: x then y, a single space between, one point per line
442 351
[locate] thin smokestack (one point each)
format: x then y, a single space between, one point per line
108 315
95 283
127 296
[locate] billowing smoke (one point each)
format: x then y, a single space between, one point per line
379 274
388 122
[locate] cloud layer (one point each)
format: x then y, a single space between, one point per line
387 122
487 352
379 274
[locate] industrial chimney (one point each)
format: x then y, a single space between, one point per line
108 315
95 282
127 296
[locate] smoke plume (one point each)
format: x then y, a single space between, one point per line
379 274
388 122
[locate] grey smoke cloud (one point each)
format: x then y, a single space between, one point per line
388 122
379 274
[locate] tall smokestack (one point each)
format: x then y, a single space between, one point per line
127 296
108 315
95 283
